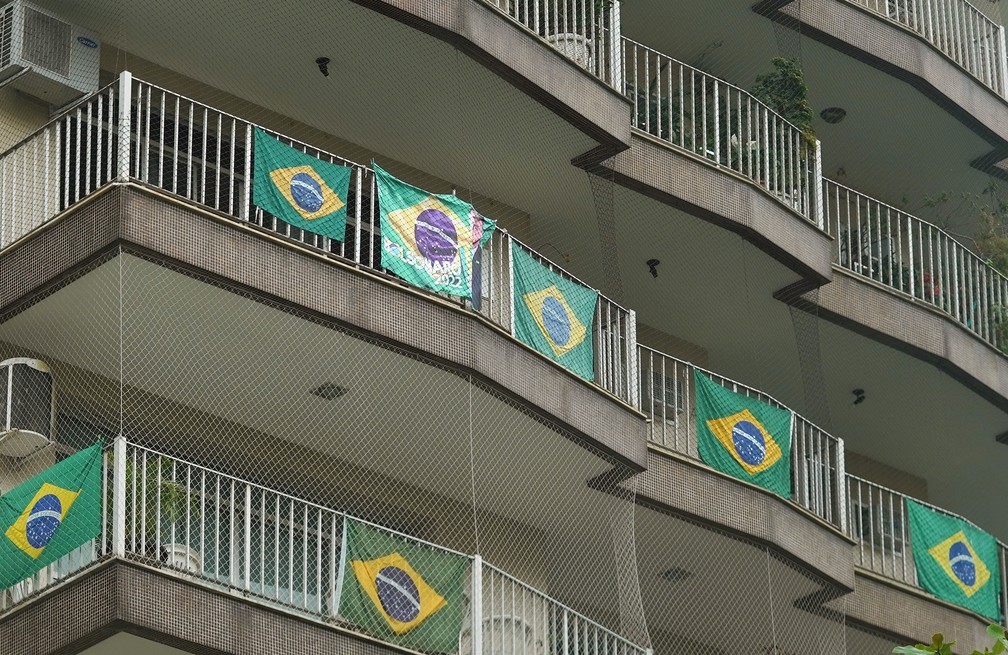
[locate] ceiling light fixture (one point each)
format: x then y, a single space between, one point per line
675 574
859 396
652 265
833 115
329 391
323 65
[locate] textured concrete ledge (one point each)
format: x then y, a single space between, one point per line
915 328
679 485
697 187
911 614
238 256
900 52
119 596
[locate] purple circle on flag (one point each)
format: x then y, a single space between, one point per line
398 594
556 321
306 192
43 519
435 236
749 443
962 564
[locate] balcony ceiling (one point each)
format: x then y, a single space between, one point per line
894 144
123 643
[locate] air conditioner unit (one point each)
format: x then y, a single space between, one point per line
26 406
45 56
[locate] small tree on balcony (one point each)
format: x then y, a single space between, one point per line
783 90
939 646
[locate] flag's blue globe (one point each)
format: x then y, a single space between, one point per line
43 520
435 236
398 594
306 192
749 443
962 564
556 320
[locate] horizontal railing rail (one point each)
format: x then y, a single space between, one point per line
958 29
205 155
817 458
585 31
878 522
723 123
912 256
227 533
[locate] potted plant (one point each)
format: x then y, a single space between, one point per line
155 501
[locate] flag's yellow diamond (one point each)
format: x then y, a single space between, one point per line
432 231
398 592
556 320
960 562
41 518
306 192
745 438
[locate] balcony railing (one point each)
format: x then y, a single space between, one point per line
958 29
917 258
724 124
230 534
817 458
878 522
137 131
585 31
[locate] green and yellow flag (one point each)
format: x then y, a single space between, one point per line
429 240
400 591
553 314
50 515
743 437
299 189
955 561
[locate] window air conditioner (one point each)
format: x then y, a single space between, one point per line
26 406
46 57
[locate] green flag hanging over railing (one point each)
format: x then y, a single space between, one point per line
553 314
50 515
402 591
429 239
299 189
743 437
955 561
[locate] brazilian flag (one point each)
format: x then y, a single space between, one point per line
299 189
50 515
553 314
429 240
743 437
400 591
955 561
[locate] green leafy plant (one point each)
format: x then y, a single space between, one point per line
939 646
783 90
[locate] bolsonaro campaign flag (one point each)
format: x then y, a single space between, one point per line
299 189
553 314
955 561
402 591
743 437
427 239
50 515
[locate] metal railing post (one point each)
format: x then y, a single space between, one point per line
125 126
633 362
511 286
1002 62
246 209
119 497
841 487
476 605
616 46
817 186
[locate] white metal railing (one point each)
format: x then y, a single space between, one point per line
586 31
205 155
817 458
57 165
723 123
878 522
958 29
905 253
227 533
